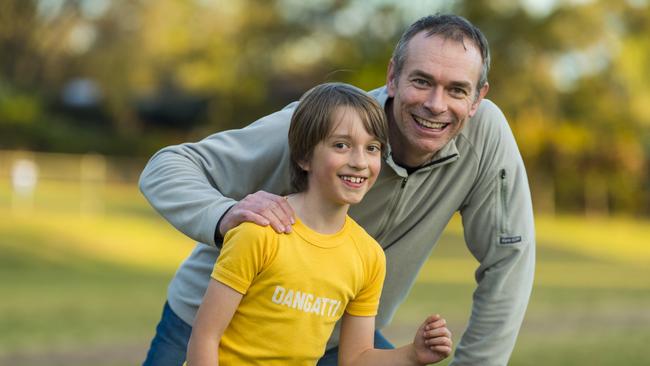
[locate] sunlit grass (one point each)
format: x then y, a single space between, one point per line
88 273
586 302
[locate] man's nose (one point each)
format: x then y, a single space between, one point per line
436 101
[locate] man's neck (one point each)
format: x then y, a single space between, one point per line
400 151
319 215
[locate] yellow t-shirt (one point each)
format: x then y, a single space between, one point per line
296 286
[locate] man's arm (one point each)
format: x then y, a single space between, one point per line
432 343
217 309
193 185
499 231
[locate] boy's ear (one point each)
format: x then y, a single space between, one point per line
304 165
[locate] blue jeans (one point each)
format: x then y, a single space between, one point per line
169 345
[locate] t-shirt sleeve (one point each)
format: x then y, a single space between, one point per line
367 300
244 254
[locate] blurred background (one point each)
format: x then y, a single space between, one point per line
89 89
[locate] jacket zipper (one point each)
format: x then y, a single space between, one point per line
503 192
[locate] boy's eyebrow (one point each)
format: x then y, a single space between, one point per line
348 137
338 137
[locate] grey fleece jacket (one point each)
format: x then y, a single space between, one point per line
480 174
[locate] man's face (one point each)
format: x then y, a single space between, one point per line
433 96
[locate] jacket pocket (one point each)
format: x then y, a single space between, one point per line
505 236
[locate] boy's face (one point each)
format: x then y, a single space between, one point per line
345 165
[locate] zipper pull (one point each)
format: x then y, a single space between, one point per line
404 181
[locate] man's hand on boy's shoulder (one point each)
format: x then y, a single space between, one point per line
262 208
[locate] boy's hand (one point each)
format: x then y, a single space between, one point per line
432 341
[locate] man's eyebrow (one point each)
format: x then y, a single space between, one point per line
457 84
462 84
422 74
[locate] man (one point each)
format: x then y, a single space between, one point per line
450 150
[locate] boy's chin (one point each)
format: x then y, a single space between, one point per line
354 201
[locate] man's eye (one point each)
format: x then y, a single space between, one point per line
420 82
458 91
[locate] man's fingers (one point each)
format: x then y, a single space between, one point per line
250 216
278 220
280 214
261 208
286 209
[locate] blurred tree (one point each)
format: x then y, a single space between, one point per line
567 75
130 76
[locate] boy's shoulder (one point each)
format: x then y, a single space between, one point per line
249 230
362 237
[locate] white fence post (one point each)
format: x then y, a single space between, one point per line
24 178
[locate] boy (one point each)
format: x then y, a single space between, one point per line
274 298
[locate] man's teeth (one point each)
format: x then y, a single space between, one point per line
429 124
353 179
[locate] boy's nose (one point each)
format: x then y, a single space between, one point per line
358 159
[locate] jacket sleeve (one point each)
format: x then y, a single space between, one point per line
193 184
499 232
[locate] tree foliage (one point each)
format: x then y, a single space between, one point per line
573 77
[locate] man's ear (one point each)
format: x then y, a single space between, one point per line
391 83
479 98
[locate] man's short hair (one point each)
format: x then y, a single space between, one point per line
312 122
448 26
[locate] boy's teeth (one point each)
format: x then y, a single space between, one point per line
353 179
429 124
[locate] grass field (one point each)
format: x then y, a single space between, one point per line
83 283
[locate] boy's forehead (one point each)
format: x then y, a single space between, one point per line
345 119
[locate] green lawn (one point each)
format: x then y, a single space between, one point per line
83 283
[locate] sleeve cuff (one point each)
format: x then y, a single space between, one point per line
218 239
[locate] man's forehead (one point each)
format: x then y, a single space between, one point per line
421 48
456 38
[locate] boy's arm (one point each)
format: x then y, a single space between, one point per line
217 309
432 343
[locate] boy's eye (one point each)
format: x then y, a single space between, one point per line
340 145
374 148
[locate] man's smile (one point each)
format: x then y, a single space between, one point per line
432 125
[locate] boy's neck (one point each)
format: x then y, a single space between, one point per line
322 216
